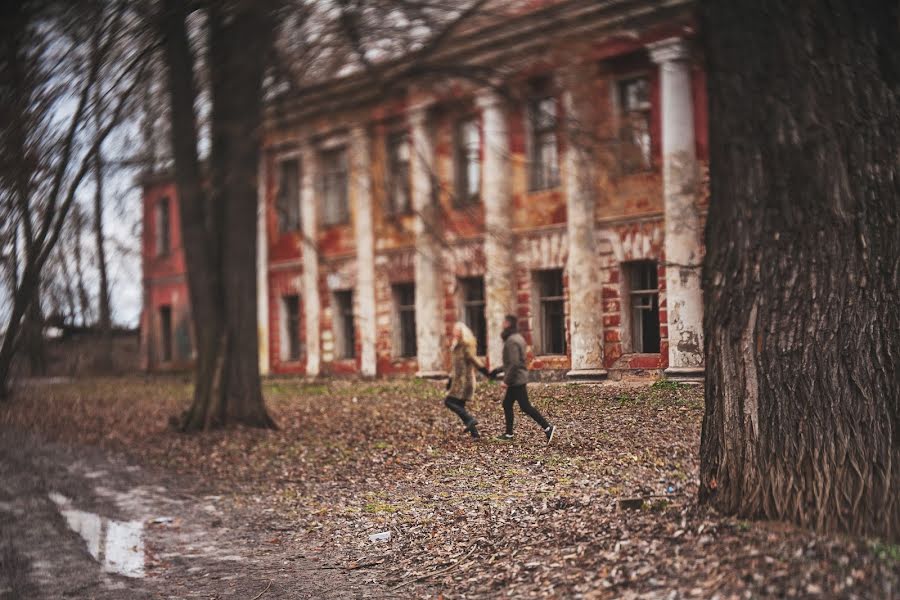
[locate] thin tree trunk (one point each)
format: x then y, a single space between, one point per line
802 272
26 293
104 358
33 338
67 284
83 298
105 319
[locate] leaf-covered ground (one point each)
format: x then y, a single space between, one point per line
471 519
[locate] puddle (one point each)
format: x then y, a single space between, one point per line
117 545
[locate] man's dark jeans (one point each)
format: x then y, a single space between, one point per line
519 393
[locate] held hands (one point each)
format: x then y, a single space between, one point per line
493 375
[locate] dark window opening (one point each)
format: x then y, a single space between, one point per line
290 319
634 100
468 162
405 303
163 227
644 300
335 202
345 331
551 313
544 158
165 331
472 289
287 201
399 195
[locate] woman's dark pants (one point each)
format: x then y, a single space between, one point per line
459 407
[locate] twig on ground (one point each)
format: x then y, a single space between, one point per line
365 565
260 595
436 573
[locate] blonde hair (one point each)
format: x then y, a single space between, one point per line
466 337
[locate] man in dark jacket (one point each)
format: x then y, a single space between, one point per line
515 380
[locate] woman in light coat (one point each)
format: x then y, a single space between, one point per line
461 385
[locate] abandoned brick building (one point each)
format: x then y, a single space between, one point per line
566 187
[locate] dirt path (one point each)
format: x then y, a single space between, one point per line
172 539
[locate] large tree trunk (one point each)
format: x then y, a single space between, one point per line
239 50
218 226
802 272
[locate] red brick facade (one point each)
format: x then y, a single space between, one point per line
629 215
164 284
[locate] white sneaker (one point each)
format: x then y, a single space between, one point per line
550 432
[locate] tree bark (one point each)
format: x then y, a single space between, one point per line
239 50
44 204
67 285
33 337
104 320
84 300
218 225
802 270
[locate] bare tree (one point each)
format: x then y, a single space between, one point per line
218 220
53 58
802 273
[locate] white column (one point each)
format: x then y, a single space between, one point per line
309 248
499 249
427 263
582 265
684 300
262 270
365 248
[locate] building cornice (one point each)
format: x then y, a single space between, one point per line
497 46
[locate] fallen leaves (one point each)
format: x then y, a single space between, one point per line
476 519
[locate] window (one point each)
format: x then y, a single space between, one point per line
165 333
544 156
405 303
551 312
399 198
644 301
335 205
472 289
468 161
634 100
345 332
290 328
163 227
287 202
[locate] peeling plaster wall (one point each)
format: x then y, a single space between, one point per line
540 250
465 258
170 292
165 284
391 268
337 275
285 280
623 243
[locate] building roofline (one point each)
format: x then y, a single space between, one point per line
487 46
